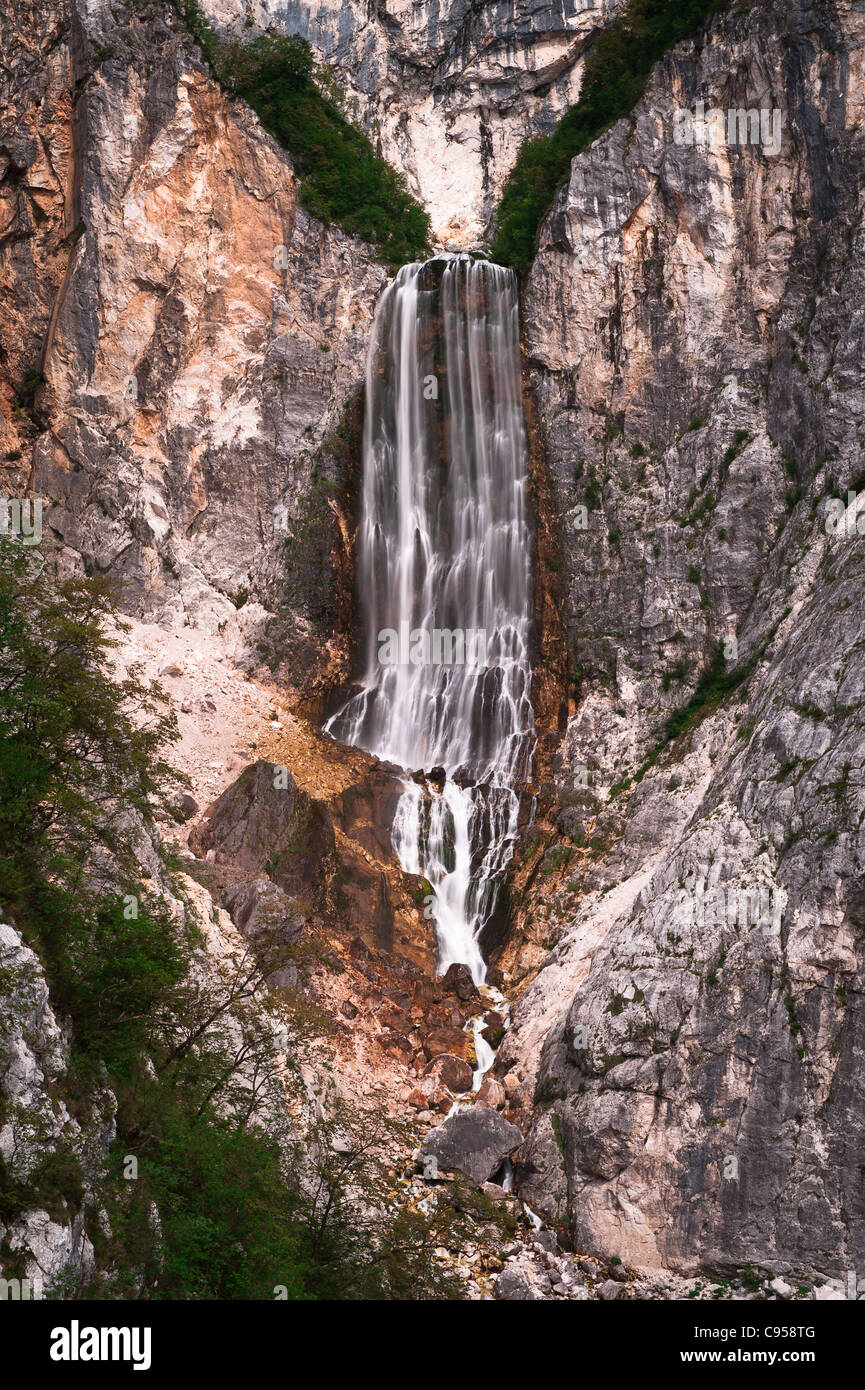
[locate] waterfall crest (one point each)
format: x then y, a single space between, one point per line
444 578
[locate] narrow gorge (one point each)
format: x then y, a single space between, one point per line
432 731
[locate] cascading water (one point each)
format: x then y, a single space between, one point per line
445 584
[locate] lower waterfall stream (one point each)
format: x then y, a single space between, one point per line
444 578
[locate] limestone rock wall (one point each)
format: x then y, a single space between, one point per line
191 336
692 1046
449 91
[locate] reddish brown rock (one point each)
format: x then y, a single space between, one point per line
454 1072
458 980
394 1042
492 1093
452 1040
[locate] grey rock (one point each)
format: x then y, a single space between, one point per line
474 1141
265 819
707 1063
501 72
511 1286
185 805
545 1240
260 907
608 1290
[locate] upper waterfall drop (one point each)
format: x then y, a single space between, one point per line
444 578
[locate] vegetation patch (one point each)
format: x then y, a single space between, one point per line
614 80
342 179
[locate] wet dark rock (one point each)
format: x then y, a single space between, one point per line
458 980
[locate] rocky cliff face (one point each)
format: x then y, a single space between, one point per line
449 91
182 348
183 338
693 323
34 1119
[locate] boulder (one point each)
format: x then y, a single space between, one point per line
259 907
545 1240
511 1286
450 1040
491 1093
608 1290
458 980
263 821
453 1072
183 805
475 1142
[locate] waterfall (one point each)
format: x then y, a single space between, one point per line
445 584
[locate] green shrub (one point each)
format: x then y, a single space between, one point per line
342 179
614 80
75 744
109 972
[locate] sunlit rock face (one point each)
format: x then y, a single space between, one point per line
191 335
448 90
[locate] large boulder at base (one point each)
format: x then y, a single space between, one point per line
475 1142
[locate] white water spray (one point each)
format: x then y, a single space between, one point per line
444 551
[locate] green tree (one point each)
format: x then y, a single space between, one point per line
82 752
